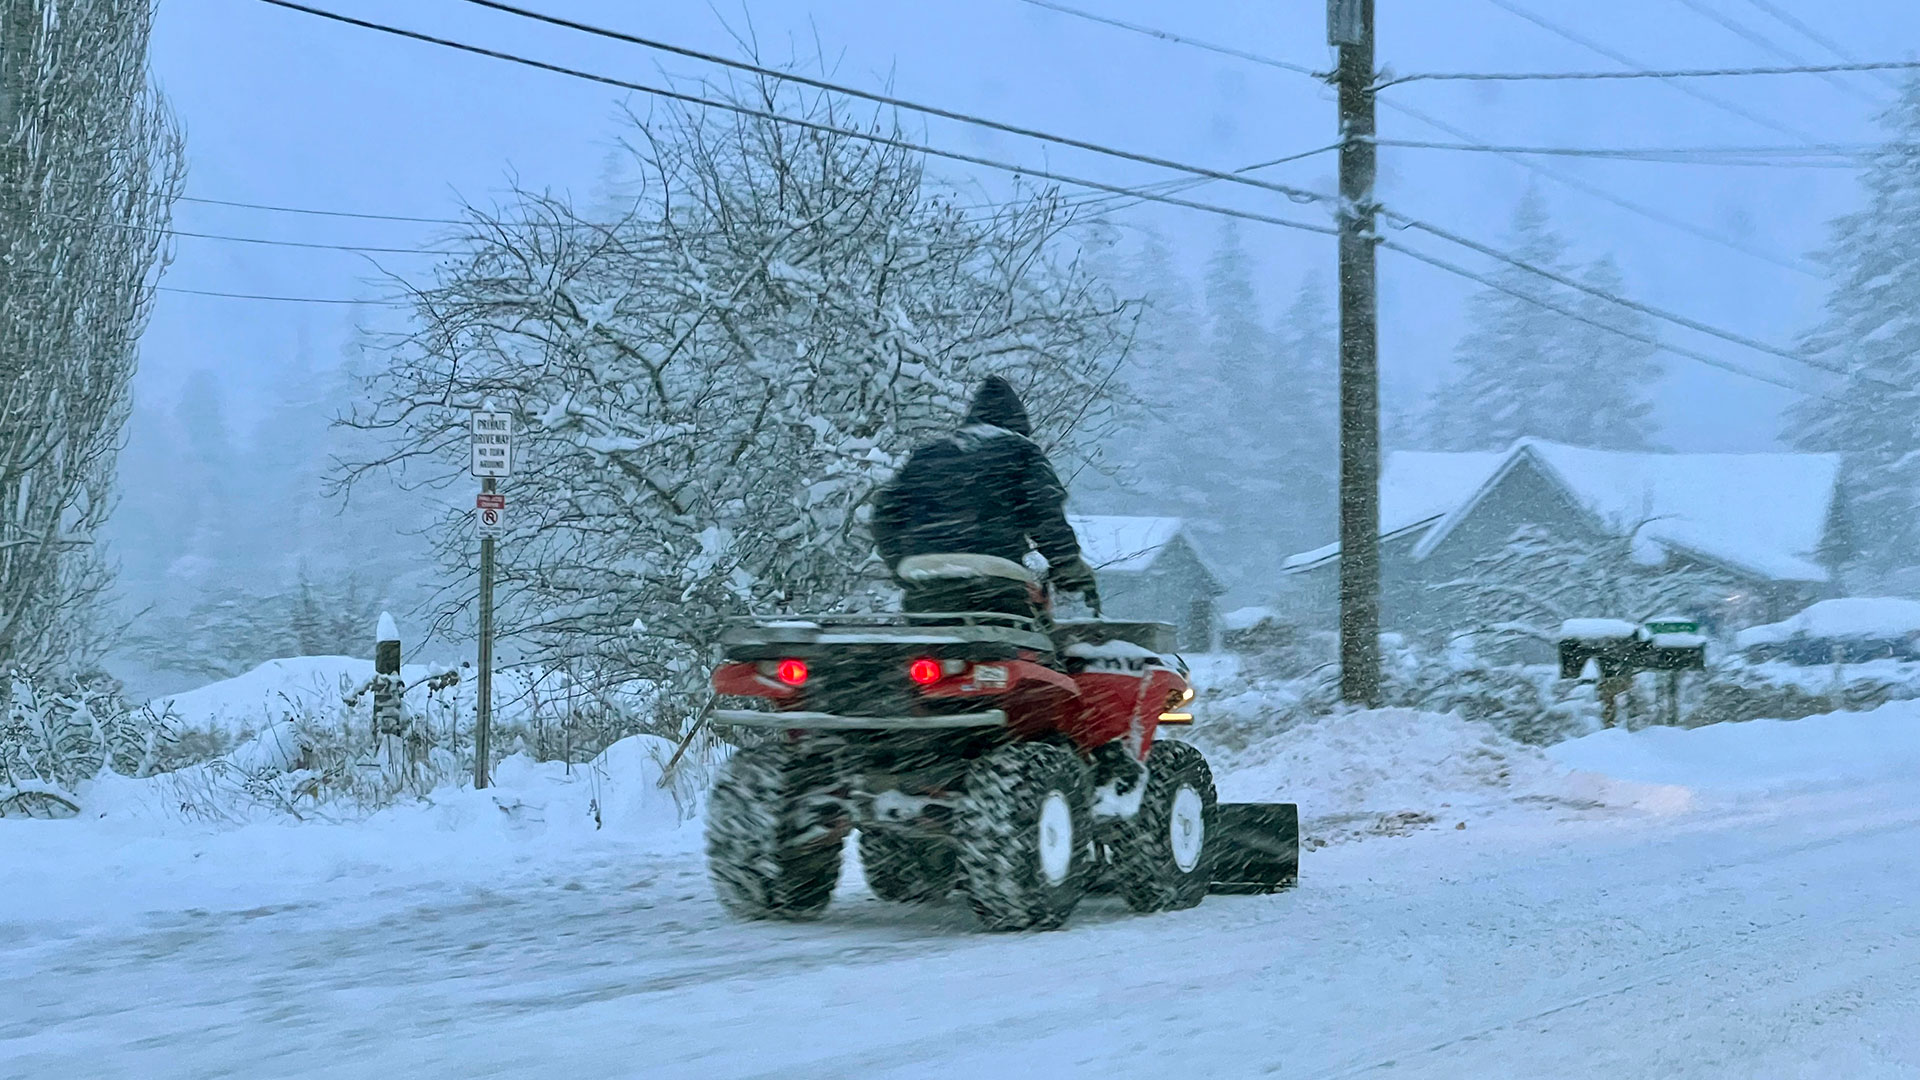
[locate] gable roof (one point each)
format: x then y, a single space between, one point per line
1123 544
1763 513
1417 488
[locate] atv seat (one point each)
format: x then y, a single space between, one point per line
959 566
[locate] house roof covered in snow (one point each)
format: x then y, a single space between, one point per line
1763 513
1123 544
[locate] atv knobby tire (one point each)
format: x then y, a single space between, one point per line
768 855
1163 858
907 869
1024 834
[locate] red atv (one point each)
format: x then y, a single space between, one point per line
990 753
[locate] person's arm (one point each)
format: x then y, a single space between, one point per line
1044 517
888 522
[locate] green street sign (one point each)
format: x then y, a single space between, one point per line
1674 626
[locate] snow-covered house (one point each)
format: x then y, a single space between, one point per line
1149 568
1764 525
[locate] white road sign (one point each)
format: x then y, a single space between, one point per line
492 443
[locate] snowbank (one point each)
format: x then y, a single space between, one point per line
132 851
1758 756
271 693
1390 770
1875 617
316 686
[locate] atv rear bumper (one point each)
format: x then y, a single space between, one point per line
820 721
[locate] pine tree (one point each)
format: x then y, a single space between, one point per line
1145 455
1308 431
1524 369
1872 329
1238 446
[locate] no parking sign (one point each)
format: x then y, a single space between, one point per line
490 509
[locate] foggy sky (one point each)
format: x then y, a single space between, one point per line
281 108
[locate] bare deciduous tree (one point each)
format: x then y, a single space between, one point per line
90 160
710 382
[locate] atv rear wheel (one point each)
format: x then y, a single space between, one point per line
906 869
768 856
1164 857
1024 834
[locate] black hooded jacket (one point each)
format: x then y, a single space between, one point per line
986 489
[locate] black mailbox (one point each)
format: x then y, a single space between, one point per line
1620 649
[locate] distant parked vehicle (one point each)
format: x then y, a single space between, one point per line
1849 630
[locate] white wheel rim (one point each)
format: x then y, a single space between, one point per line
1187 829
1056 838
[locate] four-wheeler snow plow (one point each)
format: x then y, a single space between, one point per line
1012 761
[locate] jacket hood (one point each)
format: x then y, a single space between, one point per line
998 404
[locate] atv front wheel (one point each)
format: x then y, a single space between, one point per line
906 869
1024 834
768 857
1163 858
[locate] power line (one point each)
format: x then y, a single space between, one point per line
1177 39
280 299
1594 190
1648 339
1638 73
1140 193
1755 37
850 133
321 213
1633 305
356 248
1297 194
1538 168
1789 20
1796 157
1628 62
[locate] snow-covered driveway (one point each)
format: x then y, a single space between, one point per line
1761 938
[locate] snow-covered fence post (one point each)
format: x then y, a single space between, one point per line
389 717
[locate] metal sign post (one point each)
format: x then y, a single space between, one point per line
492 457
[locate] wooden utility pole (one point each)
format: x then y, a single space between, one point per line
1350 28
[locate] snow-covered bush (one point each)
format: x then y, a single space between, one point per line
1527 703
709 381
1736 690
54 737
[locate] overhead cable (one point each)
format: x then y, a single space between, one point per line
1647 339
850 133
1678 83
1177 39
1637 73
1591 290
1297 194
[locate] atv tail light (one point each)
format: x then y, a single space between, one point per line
925 671
791 672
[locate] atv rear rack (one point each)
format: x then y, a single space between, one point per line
887 627
819 721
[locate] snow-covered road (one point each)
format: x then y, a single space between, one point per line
1760 938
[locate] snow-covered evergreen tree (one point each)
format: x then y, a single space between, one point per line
1872 329
1522 369
1307 351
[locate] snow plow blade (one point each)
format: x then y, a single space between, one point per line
1258 847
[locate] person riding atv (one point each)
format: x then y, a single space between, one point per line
956 522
